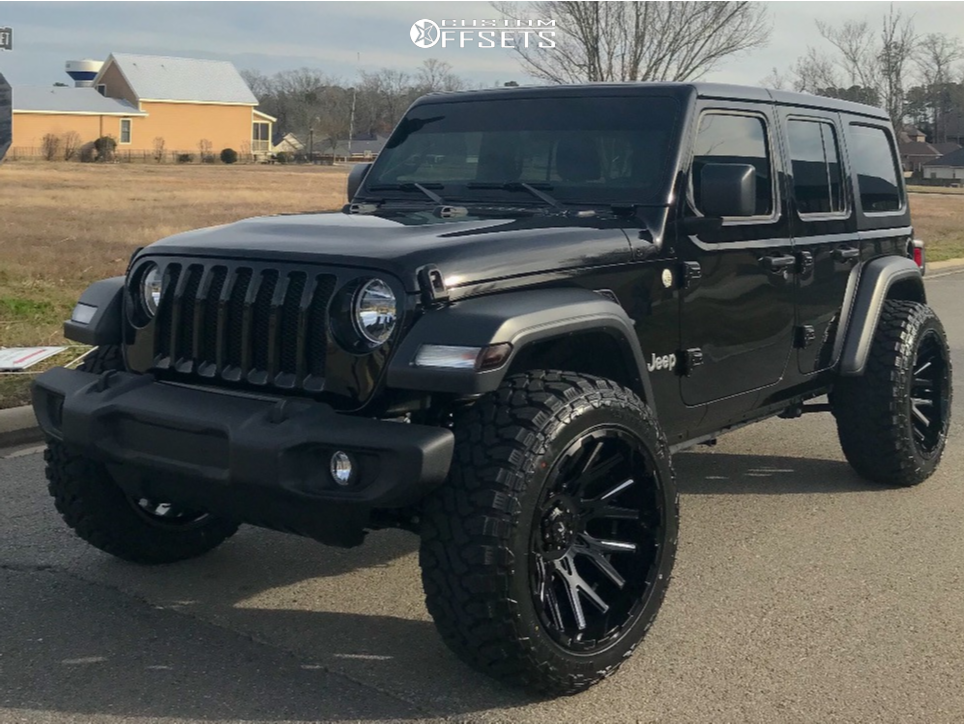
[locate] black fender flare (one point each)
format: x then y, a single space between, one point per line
105 326
869 287
519 318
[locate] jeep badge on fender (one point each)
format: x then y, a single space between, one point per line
553 289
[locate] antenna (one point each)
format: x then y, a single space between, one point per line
351 118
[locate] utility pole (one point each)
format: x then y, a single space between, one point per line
351 118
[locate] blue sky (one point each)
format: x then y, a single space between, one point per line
342 37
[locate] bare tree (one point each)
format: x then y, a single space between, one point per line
865 66
159 149
621 41
939 63
436 75
71 144
50 146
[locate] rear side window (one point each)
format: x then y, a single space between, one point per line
734 139
816 165
873 159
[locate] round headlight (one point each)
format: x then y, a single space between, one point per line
151 289
375 311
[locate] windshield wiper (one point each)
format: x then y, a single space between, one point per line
412 186
518 186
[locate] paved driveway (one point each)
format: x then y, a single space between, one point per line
801 593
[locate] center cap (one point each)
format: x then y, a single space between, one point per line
558 527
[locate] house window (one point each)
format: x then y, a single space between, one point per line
818 175
102 89
125 130
260 137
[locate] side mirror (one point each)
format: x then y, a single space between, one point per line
6 116
728 189
355 178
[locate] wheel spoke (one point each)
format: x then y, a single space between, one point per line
609 546
596 473
922 368
601 562
615 512
918 413
575 585
920 402
591 458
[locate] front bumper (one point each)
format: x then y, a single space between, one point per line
256 460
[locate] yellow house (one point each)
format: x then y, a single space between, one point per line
186 105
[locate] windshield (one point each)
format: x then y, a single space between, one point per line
613 150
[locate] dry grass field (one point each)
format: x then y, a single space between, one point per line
63 226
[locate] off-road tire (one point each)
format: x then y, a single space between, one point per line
100 513
476 527
874 410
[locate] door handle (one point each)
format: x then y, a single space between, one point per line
843 254
778 264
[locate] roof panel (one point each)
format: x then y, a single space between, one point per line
58 99
161 78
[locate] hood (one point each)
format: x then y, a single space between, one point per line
467 251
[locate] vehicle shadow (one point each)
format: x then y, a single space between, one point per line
357 613
715 473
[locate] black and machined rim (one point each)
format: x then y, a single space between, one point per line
167 515
929 393
596 541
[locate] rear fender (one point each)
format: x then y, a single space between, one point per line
871 283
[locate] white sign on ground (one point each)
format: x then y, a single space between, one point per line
17 359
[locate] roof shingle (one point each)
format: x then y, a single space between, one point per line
160 78
955 158
58 99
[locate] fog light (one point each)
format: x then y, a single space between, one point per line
341 468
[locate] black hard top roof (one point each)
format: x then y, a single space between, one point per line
722 91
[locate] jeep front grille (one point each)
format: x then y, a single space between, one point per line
244 324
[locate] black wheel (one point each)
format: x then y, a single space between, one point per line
893 420
546 555
137 530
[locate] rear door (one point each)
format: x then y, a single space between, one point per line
823 226
737 306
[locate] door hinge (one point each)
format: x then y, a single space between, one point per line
690 273
691 359
805 263
432 285
804 336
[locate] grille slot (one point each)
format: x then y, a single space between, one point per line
266 327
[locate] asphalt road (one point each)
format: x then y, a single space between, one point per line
801 593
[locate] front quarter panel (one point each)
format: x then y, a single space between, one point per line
519 318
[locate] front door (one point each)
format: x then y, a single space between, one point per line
737 304
824 231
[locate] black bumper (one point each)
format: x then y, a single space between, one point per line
259 461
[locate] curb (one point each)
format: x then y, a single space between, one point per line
18 426
939 266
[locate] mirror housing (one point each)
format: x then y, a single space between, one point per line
355 178
6 116
728 189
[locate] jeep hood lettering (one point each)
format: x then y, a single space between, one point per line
467 251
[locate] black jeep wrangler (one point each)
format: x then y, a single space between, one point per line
534 297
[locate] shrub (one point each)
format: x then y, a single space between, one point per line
50 146
87 153
105 147
185 158
208 158
159 149
229 155
282 157
71 144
